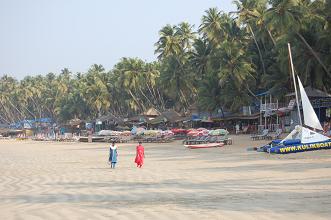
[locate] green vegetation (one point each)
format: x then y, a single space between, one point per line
219 65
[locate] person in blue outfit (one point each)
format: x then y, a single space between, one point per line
113 155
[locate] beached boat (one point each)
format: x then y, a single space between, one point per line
197 146
301 138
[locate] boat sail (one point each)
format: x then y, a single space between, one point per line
309 115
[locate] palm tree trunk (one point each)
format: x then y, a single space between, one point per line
152 92
161 99
16 108
184 99
6 113
146 97
36 106
4 119
271 37
258 48
140 105
313 52
250 91
10 114
29 111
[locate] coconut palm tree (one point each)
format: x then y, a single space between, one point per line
200 56
169 42
248 12
95 90
285 16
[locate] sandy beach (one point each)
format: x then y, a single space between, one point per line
49 180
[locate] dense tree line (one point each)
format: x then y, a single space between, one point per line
219 65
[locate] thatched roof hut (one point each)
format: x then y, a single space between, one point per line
151 112
313 93
111 119
75 122
138 119
167 116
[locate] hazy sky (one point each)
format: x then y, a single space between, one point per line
42 36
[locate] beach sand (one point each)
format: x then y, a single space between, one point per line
49 180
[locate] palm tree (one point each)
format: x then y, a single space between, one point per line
235 67
248 11
95 90
210 93
173 47
186 36
284 18
169 42
212 25
200 55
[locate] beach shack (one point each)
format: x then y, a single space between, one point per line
108 122
74 126
167 119
248 123
151 113
269 105
144 118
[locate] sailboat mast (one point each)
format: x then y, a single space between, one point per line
295 86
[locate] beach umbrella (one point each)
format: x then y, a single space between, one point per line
200 133
179 131
202 129
126 133
219 132
167 133
140 131
193 133
151 132
134 130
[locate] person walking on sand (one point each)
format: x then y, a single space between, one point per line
237 128
140 155
113 155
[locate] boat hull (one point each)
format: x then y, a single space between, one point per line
295 148
199 146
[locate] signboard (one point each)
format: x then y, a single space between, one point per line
321 103
301 148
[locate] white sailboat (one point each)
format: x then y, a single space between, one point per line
307 135
303 138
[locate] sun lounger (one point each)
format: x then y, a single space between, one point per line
228 141
261 136
275 135
212 139
202 140
193 141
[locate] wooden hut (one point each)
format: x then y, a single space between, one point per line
169 118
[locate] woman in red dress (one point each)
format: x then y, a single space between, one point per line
140 155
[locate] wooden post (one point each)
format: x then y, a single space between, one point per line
270 115
277 114
89 136
260 111
265 115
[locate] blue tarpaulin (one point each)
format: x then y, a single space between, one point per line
29 123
